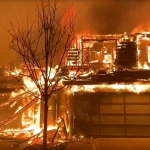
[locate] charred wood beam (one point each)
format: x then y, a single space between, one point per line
73 50
14 116
127 77
9 81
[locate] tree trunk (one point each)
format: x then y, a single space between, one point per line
45 124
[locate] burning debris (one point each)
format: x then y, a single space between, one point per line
30 112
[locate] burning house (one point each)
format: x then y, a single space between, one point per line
110 98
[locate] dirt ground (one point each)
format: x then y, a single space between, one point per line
98 144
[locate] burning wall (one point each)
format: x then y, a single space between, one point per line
111 51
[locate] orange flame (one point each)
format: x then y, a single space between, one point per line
135 87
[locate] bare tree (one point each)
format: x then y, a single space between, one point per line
43 47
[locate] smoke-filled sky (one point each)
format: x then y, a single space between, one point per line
94 16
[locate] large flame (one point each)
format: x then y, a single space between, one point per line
31 122
122 87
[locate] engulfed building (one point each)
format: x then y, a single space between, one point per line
113 98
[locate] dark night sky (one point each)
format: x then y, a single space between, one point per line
94 16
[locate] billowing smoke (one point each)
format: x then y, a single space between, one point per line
112 16
94 17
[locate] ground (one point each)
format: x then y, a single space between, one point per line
7 145
98 144
113 144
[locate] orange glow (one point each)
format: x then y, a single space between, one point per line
16 72
31 117
102 55
107 59
122 87
148 54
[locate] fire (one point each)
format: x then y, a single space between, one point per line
143 27
143 50
52 72
51 75
99 53
16 72
146 66
19 108
29 84
105 55
51 127
122 87
31 122
107 59
14 94
148 54
31 118
102 48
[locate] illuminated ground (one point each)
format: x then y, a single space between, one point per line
7 145
98 144
122 144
